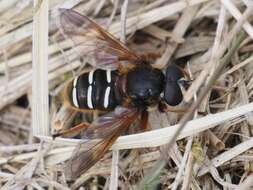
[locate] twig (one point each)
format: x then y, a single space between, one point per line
40 108
22 177
189 165
228 155
178 32
183 163
247 184
236 13
162 136
115 7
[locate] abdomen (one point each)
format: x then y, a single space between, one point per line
94 90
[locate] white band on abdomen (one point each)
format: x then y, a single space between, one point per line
108 76
91 73
74 94
75 82
89 98
107 95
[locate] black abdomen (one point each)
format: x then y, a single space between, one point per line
95 90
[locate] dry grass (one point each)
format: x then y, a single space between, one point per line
212 40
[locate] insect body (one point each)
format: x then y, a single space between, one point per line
141 87
126 93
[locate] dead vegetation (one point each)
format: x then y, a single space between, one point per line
211 39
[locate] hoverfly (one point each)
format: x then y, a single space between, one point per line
125 93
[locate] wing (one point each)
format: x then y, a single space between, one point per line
92 40
108 127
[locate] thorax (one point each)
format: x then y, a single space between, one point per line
144 85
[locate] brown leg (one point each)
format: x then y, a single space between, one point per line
163 107
144 120
74 129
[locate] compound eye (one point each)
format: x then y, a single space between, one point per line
172 94
173 73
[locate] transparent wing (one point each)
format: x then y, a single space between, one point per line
92 40
108 127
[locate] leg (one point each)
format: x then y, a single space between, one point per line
163 107
74 129
144 120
